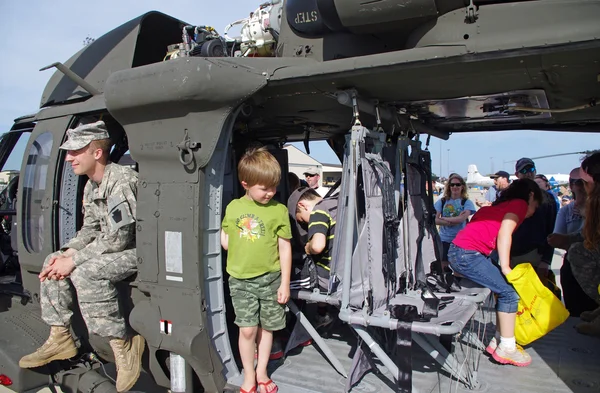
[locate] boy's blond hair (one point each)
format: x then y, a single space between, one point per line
258 166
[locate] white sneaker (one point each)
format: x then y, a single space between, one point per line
518 357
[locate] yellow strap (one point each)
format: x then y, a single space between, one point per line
324 266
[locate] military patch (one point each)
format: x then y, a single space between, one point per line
117 216
119 212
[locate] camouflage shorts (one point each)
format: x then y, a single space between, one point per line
255 301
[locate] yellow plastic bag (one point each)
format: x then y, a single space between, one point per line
539 310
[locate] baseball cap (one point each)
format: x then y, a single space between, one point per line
292 201
500 174
524 163
83 135
311 171
575 174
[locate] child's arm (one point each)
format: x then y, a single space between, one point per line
508 226
316 245
285 260
224 240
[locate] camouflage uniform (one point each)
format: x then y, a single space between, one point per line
105 250
585 265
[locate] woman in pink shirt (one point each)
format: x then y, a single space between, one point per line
490 229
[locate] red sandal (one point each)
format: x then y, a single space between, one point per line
265 384
253 390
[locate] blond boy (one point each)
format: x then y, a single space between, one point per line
256 232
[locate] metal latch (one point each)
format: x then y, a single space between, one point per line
471 13
185 148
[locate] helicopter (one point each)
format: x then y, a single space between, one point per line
185 101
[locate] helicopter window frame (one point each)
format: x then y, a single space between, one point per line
35 177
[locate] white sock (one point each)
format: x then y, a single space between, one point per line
508 343
497 337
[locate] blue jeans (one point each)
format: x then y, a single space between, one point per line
480 269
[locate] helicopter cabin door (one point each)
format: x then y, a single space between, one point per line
37 187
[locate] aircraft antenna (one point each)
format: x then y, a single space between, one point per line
73 76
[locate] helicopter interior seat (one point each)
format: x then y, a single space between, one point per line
385 240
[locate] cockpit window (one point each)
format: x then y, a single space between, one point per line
34 190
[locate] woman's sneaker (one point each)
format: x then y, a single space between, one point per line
491 348
518 357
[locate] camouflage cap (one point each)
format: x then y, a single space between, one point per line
83 135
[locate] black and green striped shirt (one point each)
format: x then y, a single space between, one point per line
322 220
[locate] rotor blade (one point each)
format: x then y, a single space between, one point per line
555 155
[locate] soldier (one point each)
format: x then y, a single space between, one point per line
101 254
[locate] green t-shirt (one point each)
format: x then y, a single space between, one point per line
253 230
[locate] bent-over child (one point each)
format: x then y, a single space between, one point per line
256 233
319 216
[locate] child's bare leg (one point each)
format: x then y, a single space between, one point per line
265 342
247 345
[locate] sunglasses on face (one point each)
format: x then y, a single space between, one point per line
455 184
307 175
527 170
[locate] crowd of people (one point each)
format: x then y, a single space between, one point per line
519 222
523 222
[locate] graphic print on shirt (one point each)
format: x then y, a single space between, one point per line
451 211
250 227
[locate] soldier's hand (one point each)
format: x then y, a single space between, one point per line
283 294
62 268
46 271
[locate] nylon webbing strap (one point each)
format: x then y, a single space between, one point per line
391 223
404 357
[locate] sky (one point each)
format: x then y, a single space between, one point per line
37 33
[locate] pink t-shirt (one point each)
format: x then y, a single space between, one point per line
482 232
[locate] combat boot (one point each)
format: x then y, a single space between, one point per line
128 359
59 346
590 328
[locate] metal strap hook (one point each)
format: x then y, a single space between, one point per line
355 109
378 117
185 147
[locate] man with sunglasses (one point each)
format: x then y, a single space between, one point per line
529 242
501 182
312 177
